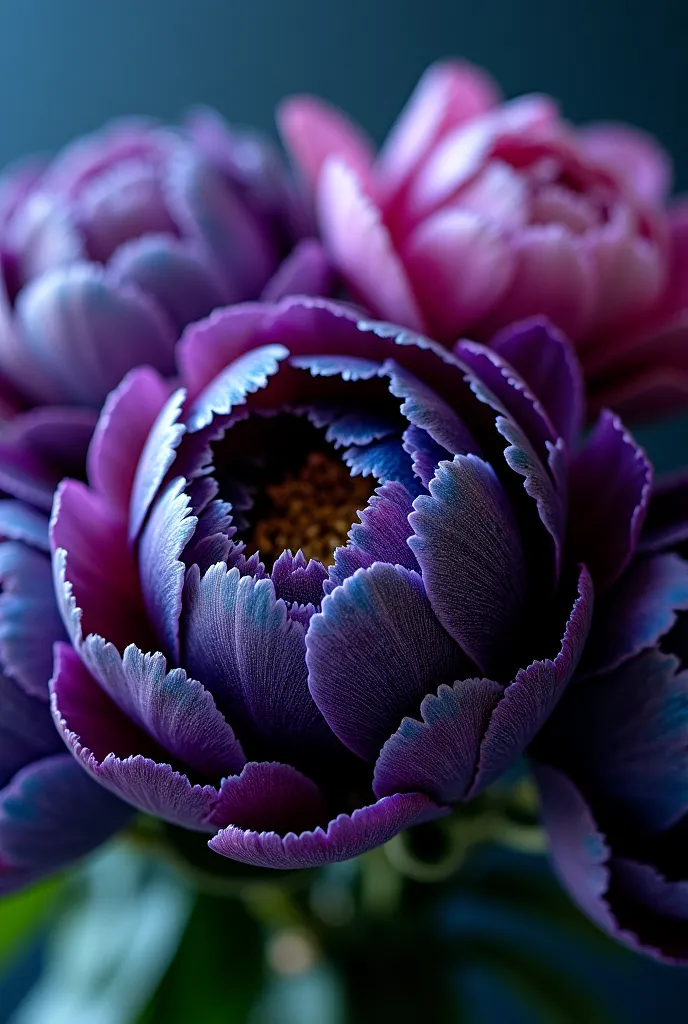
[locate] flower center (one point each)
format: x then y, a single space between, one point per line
311 509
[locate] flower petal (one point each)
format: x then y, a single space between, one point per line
373 652
346 836
268 796
306 271
468 546
22 523
246 375
633 156
158 454
26 729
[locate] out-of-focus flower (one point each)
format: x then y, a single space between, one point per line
51 813
389 668
110 249
613 760
477 213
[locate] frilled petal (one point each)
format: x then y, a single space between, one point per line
51 814
637 611
86 332
439 754
345 837
238 638
384 460
530 699
306 271
246 375
610 489
361 247
460 265
296 578
425 409
653 910
177 276
381 535
374 651
116 752
30 622
313 131
547 362
633 156
269 797
26 729
467 543
635 724
22 523
165 535
127 418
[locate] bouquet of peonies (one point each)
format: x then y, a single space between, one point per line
318 520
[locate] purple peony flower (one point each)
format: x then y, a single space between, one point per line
612 763
50 812
478 213
305 707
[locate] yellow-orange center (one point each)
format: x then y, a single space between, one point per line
312 510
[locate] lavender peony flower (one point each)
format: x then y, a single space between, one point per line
613 760
306 707
50 812
478 213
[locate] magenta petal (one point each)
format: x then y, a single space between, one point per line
468 546
118 442
373 652
269 797
87 333
610 490
633 156
306 271
547 362
109 746
530 699
346 836
439 754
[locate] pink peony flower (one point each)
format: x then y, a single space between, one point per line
478 212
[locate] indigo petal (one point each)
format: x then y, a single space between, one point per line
269 797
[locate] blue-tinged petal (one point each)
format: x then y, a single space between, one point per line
169 528
356 428
51 814
212 539
349 368
345 837
177 276
127 418
426 409
117 753
385 460
425 453
611 480
238 638
374 651
26 729
637 611
162 441
439 754
30 621
530 699
86 332
547 362
22 523
467 543
269 797
381 536
246 375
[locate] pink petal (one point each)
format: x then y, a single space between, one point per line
633 156
313 131
361 248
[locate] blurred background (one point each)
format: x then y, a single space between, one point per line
67 66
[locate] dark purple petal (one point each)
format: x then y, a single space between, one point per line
425 453
30 622
128 416
346 836
22 523
178 278
212 538
653 910
374 651
26 729
87 333
306 271
530 699
51 814
162 441
467 544
611 480
246 375
26 477
426 409
119 754
269 797
168 530
547 362
381 535
297 579
237 638
640 608
439 754
666 524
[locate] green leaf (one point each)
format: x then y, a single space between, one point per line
24 912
